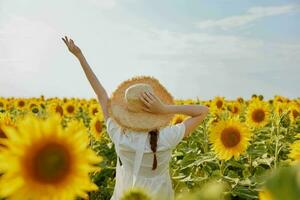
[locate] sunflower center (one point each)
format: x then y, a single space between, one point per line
258 115
59 110
235 109
1 104
295 113
49 163
21 103
178 120
219 104
230 137
70 109
35 110
95 110
98 126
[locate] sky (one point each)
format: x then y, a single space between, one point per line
195 48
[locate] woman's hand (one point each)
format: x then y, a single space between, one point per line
71 46
152 103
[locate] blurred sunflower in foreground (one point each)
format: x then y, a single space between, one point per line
229 138
281 184
136 194
41 160
264 195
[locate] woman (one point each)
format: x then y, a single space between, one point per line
138 106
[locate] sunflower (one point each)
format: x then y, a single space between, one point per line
35 109
240 100
2 135
217 105
280 108
5 120
20 104
280 99
55 107
235 108
10 103
258 113
135 194
294 111
229 138
44 161
295 150
70 108
34 103
218 102
178 118
96 127
83 104
94 109
3 103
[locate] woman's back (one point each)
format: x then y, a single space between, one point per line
156 181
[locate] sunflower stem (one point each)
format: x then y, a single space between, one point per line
250 163
276 153
276 146
206 139
222 167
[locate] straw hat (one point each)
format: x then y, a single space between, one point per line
125 106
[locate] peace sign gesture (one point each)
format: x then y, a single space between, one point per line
71 46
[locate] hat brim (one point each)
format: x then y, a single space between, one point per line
139 121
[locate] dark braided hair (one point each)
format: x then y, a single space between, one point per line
153 143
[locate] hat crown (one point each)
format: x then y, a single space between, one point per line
132 96
126 98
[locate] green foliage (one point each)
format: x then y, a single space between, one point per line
194 165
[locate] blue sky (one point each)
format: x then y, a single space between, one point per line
195 48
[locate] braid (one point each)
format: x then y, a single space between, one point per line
153 143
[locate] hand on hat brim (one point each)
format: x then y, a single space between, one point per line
152 103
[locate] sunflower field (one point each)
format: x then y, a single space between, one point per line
58 148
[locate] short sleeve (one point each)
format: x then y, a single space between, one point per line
173 134
112 129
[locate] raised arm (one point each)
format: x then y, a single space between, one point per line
95 83
197 112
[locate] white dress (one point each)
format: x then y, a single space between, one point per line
136 156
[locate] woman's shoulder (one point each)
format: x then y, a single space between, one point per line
172 134
172 127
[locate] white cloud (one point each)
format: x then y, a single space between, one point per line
251 15
209 65
34 61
